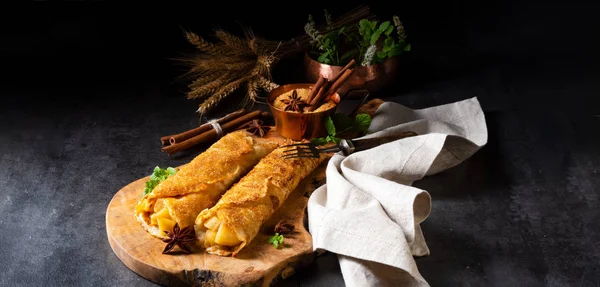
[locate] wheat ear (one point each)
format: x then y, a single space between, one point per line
200 81
207 88
219 95
201 44
266 84
232 41
254 93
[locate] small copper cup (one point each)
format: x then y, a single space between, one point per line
298 126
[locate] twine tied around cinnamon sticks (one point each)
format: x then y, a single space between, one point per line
324 87
217 127
210 131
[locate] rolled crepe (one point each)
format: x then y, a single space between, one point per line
199 184
237 217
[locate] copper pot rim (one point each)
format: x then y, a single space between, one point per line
372 66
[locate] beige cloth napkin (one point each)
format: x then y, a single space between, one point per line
368 213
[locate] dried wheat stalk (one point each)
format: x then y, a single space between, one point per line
220 94
245 62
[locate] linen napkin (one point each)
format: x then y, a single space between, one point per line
368 213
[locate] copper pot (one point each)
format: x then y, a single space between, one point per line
298 126
371 78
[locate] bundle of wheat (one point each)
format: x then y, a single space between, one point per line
243 63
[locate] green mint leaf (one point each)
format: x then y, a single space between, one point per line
362 122
171 171
375 37
323 58
389 30
342 121
373 25
366 29
388 43
396 50
363 24
336 140
318 141
381 54
383 27
276 240
341 31
407 47
328 139
329 126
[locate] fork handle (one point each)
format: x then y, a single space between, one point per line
364 144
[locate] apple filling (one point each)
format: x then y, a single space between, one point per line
218 233
162 218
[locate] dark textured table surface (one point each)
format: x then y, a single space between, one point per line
523 211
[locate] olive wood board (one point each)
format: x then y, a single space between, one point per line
258 264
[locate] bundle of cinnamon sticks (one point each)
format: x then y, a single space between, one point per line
207 133
324 87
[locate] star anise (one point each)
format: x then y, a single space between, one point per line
294 103
283 227
257 127
179 237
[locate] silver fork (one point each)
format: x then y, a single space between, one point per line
310 150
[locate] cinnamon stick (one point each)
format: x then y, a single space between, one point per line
342 71
211 134
173 139
318 97
341 80
315 89
328 90
165 140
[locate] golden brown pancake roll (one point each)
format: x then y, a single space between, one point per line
199 184
237 217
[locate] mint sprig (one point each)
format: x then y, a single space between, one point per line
371 43
340 123
158 175
362 122
276 240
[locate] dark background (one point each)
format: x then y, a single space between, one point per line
88 88
88 43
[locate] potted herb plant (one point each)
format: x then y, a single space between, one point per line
374 45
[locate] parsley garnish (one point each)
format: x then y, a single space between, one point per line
276 240
158 175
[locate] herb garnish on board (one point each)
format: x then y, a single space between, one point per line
158 175
276 240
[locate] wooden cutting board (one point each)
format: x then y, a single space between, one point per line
258 264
